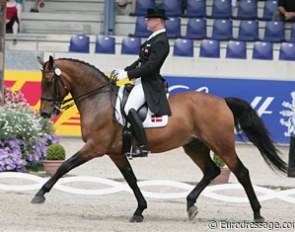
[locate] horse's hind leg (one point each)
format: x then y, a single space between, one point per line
68 165
200 154
242 174
228 154
124 166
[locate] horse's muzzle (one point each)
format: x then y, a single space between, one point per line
49 113
46 113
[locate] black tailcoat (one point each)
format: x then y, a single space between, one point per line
151 58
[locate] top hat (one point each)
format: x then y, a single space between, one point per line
156 13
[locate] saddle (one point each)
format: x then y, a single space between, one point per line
149 119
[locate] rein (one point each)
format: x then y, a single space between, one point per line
83 96
57 102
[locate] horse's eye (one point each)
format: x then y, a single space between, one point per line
46 84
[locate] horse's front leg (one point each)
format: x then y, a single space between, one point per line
124 166
68 165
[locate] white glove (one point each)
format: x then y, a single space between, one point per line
119 74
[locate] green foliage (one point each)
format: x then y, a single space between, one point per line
55 152
46 126
22 123
34 167
218 161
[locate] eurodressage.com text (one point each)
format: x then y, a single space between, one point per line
226 225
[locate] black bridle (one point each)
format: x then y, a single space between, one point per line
57 99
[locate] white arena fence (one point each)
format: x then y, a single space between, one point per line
212 191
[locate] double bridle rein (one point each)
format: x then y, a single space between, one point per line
57 100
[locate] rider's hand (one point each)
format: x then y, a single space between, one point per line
119 74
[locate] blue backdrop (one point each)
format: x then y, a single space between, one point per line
274 101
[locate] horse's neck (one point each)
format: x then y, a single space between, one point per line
83 80
81 85
89 100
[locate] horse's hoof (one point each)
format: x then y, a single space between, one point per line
38 200
136 218
258 219
192 212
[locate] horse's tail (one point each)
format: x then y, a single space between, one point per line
249 121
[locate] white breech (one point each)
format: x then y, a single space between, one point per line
136 97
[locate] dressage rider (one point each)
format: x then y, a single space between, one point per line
149 85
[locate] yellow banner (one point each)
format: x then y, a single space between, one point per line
29 83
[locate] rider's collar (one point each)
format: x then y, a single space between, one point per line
156 33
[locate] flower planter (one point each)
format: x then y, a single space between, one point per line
223 177
24 134
51 166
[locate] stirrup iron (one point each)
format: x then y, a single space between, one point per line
140 151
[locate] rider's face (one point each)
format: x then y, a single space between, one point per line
152 23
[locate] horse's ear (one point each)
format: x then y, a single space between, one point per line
51 61
40 60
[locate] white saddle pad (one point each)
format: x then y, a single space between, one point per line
151 121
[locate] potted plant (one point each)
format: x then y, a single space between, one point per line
223 177
55 156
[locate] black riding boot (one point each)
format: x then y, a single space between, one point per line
138 131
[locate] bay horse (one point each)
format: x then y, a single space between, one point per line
200 123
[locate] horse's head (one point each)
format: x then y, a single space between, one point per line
53 87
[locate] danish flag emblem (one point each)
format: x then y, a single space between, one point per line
154 118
